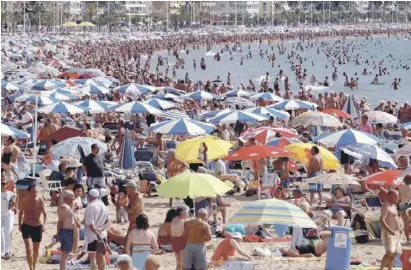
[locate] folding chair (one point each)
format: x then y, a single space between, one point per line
49 185
373 202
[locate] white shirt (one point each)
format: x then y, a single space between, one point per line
26 117
6 197
96 213
220 168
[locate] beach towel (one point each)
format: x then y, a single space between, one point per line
258 239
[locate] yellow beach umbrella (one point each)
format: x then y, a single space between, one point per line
188 150
301 152
86 24
193 185
70 24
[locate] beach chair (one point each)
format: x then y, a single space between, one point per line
372 201
171 144
153 179
48 186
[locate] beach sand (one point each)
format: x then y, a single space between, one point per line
156 209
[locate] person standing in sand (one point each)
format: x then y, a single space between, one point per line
391 231
178 242
30 225
314 168
405 203
135 205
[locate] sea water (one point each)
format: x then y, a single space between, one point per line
255 68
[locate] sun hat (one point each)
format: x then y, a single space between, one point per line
74 163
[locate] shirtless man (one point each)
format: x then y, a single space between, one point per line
178 242
391 231
315 168
9 157
405 203
30 225
135 206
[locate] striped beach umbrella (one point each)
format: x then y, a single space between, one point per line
160 104
405 126
28 83
237 93
70 147
137 107
126 158
242 117
172 90
350 108
63 108
311 118
215 113
375 117
361 150
47 85
94 106
183 126
283 141
281 115
134 88
200 95
267 96
63 94
174 115
272 211
346 137
12 131
9 86
94 89
293 104
42 100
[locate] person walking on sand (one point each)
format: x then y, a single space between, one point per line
8 201
135 206
404 193
30 225
178 242
196 233
391 231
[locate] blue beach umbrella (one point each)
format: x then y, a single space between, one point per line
174 115
242 117
94 106
237 93
9 86
281 115
134 88
405 126
372 151
216 113
350 108
173 91
63 108
42 100
28 83
47 85
200 95
12 131
267 96
70 147
94 89
293 104
346 137
63 94
183 126
137 107
160 104
126 159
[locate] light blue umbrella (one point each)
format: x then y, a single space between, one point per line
212 114
134 88
12 131
137 107
237 93
405 126
47 85
28 83
42 100
9 86
63 94
69 147
200 95
372 151
267 96
63 108
174 115
350 108
346 137
183 126
293 104
160 104
94 106
172 90
94 89
281 115
242 117
126 159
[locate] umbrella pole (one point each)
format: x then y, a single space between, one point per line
34 136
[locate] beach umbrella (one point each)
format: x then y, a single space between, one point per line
173 115
405 150
172 90
8 86
12 131
257 152
134 88
47 85
183 126
346 137
405 126
239 101
267 96
293 104
272 211
126 158
42 100
200 95
237 93
68 24
188 150
361 150
281 115
94 89
283 141
350 108
28 83
193 185
375 117
215 113
94 106
63 94
337 113
335 179
311 118
266 134
242 117
63 108
390 148
301 152
160 104
137 107
386 178
86 24
69 147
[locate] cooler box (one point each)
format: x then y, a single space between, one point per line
339 249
